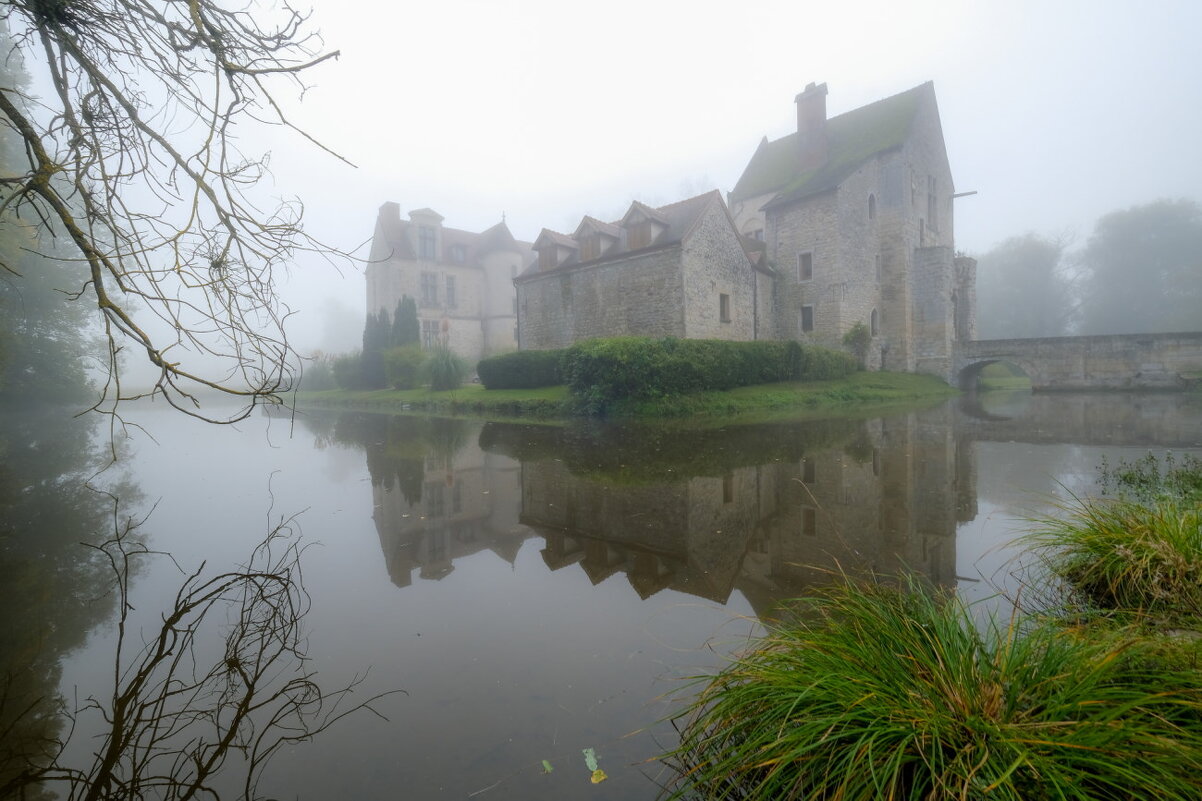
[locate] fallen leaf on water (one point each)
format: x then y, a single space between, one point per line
547 767
590 758
598 776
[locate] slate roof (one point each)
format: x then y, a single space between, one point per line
854 137
392 242
679 219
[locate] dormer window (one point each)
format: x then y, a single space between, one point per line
590 248
639 235
426 242
643 225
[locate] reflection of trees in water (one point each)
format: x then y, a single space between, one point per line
399 448
53 590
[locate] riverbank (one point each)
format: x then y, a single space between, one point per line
865 389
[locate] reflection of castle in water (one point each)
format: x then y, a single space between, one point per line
889 502
767 515
468 503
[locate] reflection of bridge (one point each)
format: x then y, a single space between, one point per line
1117 361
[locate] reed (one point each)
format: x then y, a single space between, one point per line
894 693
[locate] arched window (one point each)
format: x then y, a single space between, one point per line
874 323
872 207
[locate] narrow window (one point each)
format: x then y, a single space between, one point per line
874 325
429 289
451 302
877 263
805 266
728 488
425 242
809 521
872 207
758 234
724 308
807 471
429 333
922 233
807 318
932 204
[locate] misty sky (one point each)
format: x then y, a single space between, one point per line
1054 112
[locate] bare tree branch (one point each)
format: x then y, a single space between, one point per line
134 159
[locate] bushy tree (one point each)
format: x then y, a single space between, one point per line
403 366
1142 270
406 330
446 369
1024 290
857 339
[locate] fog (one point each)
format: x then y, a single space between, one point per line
540 112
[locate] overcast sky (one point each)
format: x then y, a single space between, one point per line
1054 112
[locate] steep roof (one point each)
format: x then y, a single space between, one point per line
679 219
392 241
854 137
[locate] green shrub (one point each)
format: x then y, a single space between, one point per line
522 369
600 371
857 339
886 693
348 371
445 369
319 374
403 366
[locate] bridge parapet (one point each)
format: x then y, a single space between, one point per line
1108 361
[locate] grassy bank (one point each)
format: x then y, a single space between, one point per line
766 400
879 691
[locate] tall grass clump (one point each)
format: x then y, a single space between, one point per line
1127 556
1137 553
888 693
445 369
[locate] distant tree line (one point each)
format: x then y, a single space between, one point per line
1139 272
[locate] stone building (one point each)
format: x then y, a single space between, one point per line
462 281
680 270
856 216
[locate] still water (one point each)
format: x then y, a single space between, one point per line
534 590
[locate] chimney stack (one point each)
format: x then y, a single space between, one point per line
811 125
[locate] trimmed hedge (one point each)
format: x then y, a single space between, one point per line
522 369
598 371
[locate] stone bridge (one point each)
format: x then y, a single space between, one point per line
1114 361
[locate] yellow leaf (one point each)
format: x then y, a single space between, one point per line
598 776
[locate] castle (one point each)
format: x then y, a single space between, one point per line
846 220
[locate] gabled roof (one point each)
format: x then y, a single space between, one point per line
677 218
854 139
592 224
554 237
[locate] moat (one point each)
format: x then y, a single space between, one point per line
539 590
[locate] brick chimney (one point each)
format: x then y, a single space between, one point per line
811 125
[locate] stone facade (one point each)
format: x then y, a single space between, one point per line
462 281
856 216
680 270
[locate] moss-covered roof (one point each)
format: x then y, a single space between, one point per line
854 138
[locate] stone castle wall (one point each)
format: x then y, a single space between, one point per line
714 263
638 295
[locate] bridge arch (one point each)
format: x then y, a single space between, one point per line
970 373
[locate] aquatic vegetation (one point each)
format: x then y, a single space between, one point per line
1127 556
878 692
